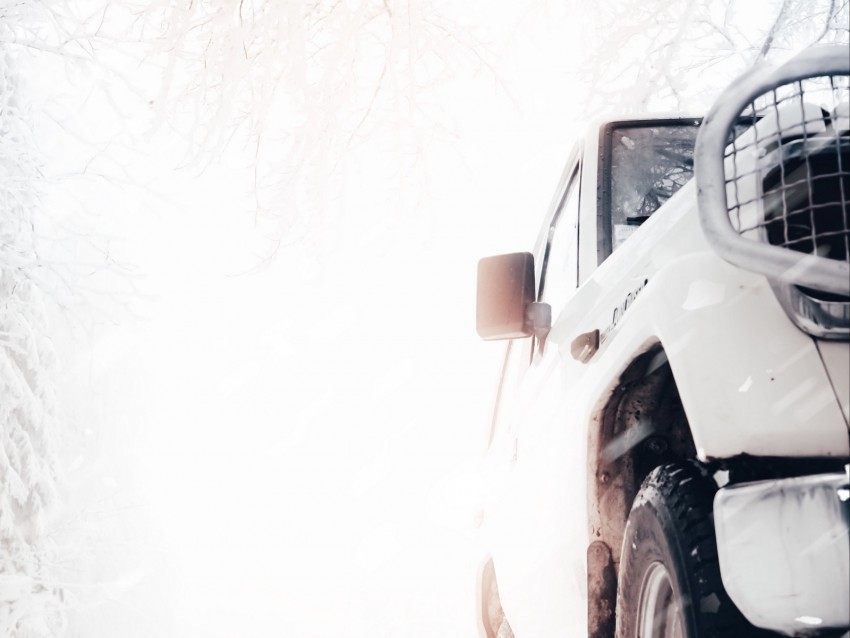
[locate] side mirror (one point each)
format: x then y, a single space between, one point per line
506 307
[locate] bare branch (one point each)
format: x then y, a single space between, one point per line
774 29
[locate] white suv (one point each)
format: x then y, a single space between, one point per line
669 450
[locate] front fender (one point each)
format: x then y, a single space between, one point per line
749 380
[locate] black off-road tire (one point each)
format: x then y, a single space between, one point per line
671 524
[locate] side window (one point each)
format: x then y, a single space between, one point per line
559 277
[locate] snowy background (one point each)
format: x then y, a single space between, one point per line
242 391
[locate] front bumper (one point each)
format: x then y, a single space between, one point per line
784 551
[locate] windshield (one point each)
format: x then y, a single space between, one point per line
649 163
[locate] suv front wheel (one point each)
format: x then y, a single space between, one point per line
669 579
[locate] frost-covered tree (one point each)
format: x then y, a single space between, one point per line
317 77
35 554
303 82
676 54
31 601
332 68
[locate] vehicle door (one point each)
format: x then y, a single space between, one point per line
543 538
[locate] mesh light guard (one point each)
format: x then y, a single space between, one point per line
775 199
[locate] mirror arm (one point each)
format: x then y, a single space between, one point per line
538 320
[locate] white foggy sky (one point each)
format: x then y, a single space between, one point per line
290 449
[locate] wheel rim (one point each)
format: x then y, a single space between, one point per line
659 613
